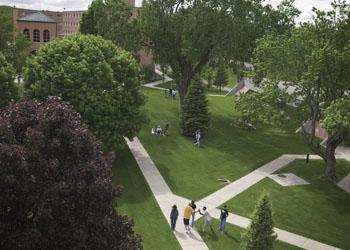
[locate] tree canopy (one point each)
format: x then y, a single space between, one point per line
56 184
8 88
112 20
99 79
308 69
186 35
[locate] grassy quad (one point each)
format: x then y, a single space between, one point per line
319 210
139 204
226 152
231 239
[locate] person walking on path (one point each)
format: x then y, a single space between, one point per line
223 216
207 218
187 215
198 138
193 205
173 216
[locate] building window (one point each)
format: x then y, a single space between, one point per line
36 36
46 36
26 33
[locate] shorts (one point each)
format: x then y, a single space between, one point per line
186 222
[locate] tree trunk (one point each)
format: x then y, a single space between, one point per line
332 143
330 163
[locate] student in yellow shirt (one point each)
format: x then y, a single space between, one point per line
187 215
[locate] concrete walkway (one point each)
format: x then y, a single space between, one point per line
153 85
165 199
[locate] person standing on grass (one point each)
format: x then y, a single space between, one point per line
173 216
187 215
207 218
193 205
198 138
223 216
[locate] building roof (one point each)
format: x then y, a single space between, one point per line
37 17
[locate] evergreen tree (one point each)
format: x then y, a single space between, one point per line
8 89
260 234
195 114
221 78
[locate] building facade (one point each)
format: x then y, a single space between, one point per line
43 26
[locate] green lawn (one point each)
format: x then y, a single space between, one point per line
226 152
139 203
319 210
231 239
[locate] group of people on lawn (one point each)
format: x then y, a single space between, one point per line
190 213
159 131
170 93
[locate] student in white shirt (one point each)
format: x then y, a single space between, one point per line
207 218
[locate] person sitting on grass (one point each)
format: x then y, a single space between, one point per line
159 130
166 129
207 219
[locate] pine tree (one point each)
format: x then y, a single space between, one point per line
221 78
195 114
260 234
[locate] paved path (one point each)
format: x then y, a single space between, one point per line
165 199
345 184
233 189
153 85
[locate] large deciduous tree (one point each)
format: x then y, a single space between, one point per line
8 88
186 35
56 185
112 20
99 79
309 69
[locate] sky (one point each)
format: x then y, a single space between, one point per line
305 6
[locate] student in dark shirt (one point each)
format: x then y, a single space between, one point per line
223 216
193 205
173 216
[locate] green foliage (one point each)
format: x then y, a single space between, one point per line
337 117
186 35
100 80
221 78
195 114
8 88
148 73
260 234
19 51
310 64
111 20
6 27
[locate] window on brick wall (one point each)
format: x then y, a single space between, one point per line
46 36
36 36
26 33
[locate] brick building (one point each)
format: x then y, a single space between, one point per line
43 26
